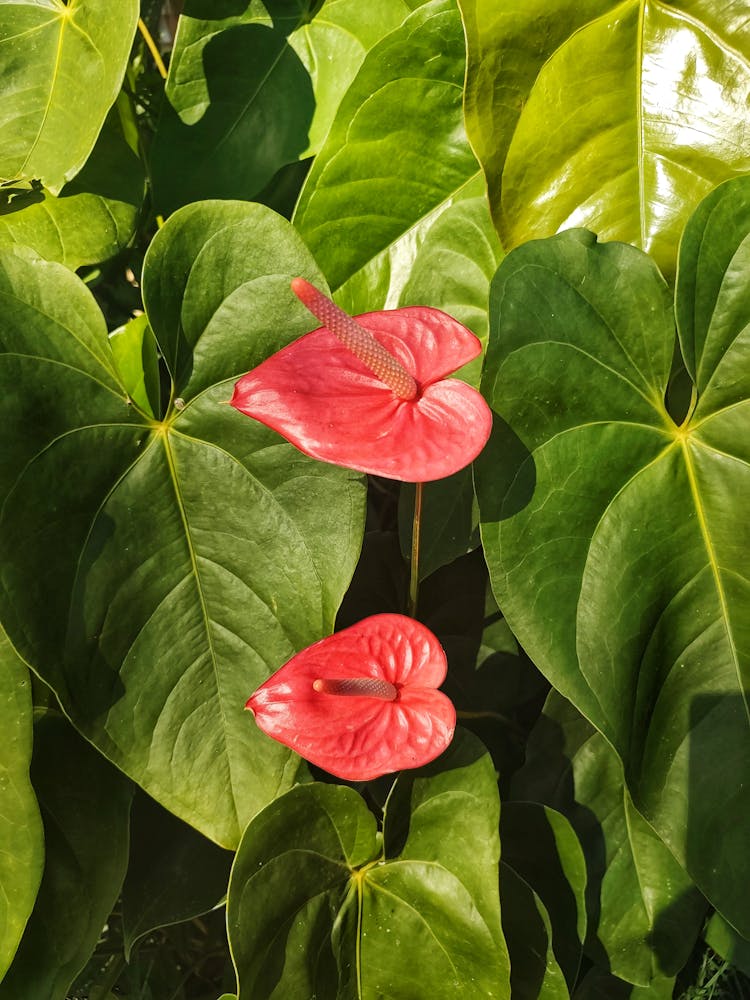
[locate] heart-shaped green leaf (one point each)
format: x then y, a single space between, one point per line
375 190
615 116
85 806
62 65
21 834
616 540
94 216
157 571
645 914
319 905
250 90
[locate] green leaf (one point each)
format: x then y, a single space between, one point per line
156 572
617 541
93 218
375 190
174 873
596 114
534 971
62 64
251 90
600 985
726 942
137 361
541 847
21 834
85 806
645 914
318 906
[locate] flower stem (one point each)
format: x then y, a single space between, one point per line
152 48
414 576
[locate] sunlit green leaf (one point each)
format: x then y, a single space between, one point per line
61 64
94 216
135 355
615 116
395 160
21 836
319 905
156 572
85 805
617 541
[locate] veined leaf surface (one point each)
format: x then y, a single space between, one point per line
375 190
645 913
320 905
21 834
617 541
156 571
615 116
250 90
61 64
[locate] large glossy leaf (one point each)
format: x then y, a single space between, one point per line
173 874
94 216
21 836
725 941
85 805
319 905
61 64
395 160
645 914
616 540
615 116
253 86
156 572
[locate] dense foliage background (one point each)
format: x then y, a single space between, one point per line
571 180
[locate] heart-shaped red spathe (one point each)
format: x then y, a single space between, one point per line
403 722
324 400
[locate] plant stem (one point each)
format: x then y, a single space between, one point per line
414 576
152 48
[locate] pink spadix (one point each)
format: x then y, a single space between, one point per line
363 702
371 392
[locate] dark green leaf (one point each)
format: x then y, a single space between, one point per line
85 805
645 914
319 907
541 847
725 941
253 87
534 971
61 65
600 985
596 113
174 873
157 572
617 541
21 834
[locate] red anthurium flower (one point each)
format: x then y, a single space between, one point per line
362 702
372 394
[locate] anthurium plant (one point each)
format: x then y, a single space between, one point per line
374 476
